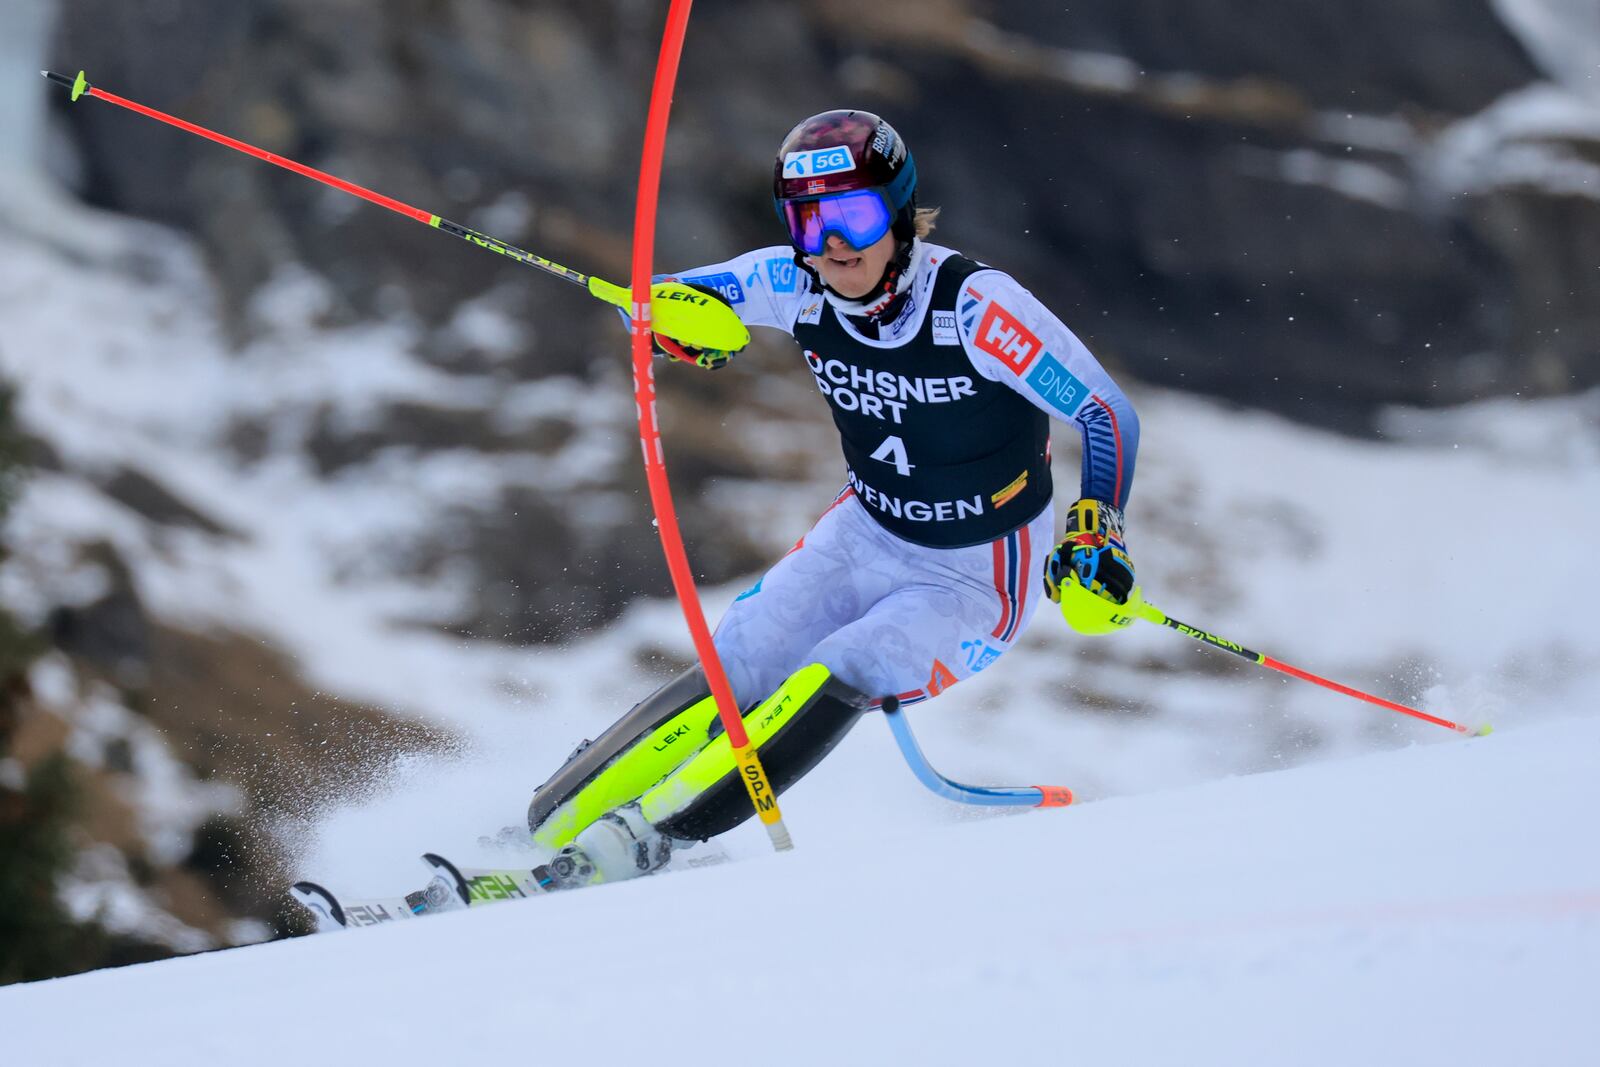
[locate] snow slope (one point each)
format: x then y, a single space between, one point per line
1436 904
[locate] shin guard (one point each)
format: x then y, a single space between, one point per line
792 730
635 753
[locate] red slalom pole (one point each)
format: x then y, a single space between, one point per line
644 394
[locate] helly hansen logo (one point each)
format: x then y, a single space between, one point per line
1006 339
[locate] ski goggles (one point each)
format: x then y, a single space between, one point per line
860 218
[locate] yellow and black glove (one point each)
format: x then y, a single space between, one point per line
1092 554
704 358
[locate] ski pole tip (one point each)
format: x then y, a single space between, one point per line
1054 796
1485 730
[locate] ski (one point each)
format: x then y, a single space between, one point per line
331 914
452 888
488 885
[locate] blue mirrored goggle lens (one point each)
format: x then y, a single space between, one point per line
860 218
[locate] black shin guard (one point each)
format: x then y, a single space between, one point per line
786 756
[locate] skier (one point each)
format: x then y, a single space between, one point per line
942 375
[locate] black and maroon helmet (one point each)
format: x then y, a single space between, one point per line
844 152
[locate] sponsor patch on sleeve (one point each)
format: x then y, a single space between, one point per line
1059 387
1006 339
781 274
726 284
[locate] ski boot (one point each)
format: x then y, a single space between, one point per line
615 847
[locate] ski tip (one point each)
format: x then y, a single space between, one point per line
323 905
439 863
1485 730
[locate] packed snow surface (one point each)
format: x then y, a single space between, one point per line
1434 904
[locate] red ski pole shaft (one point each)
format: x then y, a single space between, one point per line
678 311
1151 613
80 88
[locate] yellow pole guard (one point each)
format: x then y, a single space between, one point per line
1092 614
682 313
762 796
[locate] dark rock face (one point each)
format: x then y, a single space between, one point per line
112 632
447 105
1450 56
1199 215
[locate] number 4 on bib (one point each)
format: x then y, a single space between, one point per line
893 450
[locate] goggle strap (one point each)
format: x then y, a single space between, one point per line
904 184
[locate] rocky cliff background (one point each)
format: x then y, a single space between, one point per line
1300 208
1312 211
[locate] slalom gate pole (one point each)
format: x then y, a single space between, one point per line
678 307
1150 613
644 391
1005 796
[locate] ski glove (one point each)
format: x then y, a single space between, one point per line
704 358
1091 553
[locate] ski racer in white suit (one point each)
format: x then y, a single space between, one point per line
942 375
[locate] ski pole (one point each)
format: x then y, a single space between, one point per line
677 310
1002 796
1150 613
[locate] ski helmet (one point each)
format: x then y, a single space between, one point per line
838 152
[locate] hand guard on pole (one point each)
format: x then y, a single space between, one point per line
702 356
1090 573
